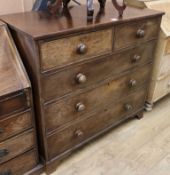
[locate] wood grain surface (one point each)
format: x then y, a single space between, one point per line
15 124
63 51
17 145
95 71
68 138
63 111
126 35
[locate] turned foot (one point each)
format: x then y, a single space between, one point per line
148 106
139 115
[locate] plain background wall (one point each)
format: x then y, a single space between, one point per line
13 6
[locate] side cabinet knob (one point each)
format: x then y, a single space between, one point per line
8 172
3 152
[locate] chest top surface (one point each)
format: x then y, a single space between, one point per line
12 75
42 25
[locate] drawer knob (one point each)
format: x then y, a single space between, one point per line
140 33
132 83
1 130
81 78
8 172
80 107
79 133
81 48
136 58
128 107
4 152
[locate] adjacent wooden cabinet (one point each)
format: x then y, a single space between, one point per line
87 76
18 143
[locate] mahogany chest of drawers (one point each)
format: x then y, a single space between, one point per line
18 147
87 76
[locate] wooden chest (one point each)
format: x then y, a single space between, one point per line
87 76
18 147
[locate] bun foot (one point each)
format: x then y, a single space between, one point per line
139 115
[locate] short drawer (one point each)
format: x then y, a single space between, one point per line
68 109
61 52
16 145
20 165
15 124
80 131
136 32
77 78
13 103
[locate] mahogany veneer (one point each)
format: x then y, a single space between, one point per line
87 76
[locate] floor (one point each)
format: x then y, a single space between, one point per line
138 147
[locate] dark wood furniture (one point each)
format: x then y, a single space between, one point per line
18 145
87 77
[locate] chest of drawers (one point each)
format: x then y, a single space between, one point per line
87 76
18 147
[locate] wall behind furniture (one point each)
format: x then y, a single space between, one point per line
14 6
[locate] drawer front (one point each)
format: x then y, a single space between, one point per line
65 51
15 124
13 103
20 165
69 109
16 145
136 32
79 77
84 129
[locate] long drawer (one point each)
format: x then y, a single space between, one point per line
61 52
17 145
77 78
20 165
68 109
84 129
136 32
15 124
15 102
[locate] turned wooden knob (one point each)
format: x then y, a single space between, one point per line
140 33
81 78
81 48
3 152
128 107
80 107
136 58
132 83
79 133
